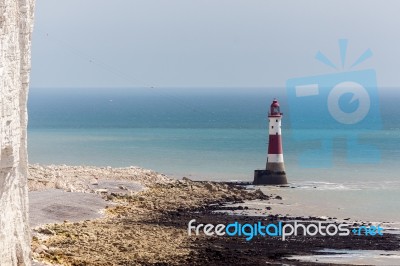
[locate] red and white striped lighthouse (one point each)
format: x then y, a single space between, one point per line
274 173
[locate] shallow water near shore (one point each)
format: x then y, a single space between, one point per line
354 257
370 202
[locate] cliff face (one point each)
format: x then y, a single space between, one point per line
16 23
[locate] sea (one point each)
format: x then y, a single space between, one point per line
221 134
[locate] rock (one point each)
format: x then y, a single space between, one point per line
41 249
59 184
211 187
46 231
53 251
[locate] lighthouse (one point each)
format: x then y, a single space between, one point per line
274 173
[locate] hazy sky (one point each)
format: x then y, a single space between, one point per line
207 43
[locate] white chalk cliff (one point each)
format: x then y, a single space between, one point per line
16 23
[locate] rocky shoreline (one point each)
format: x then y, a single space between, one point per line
149 227
85 178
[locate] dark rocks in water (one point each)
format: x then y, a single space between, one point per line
238 183
278 197
258 194
186 179
268 208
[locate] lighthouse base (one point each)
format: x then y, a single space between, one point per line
267 177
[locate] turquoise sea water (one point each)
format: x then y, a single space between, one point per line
215 134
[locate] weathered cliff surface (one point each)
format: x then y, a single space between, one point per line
16 23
